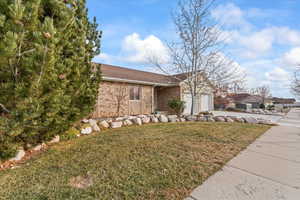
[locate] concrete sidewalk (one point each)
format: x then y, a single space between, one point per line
269 169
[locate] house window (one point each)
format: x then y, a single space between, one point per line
135 93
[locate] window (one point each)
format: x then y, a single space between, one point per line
135 93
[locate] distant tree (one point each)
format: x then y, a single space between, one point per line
263 91
295 86
196 54
47 81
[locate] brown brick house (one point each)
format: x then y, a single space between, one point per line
126 91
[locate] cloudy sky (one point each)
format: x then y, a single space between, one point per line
263 35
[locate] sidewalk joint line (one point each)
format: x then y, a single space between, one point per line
278 157
264 177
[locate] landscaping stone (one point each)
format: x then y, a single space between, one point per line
163 119
39 147
131 117
182 120
219 119
141 116
251 120
56 139
85 121
20 154
191 118
127 122
94 125
154 120
137 121
228 119
120 119
201 119
146 120
116 124
87 130
241 120
210 119
104 124
172 120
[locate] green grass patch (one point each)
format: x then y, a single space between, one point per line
155 161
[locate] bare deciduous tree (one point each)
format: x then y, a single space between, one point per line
196 54
120 95
263 91
296 83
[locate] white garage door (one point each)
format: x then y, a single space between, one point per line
205 103
202 103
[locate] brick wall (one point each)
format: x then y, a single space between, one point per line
107 102
164 94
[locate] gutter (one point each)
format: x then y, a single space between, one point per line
106 78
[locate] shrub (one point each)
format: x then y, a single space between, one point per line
70 134
47 80
262 106
177 106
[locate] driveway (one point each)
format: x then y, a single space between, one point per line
273 118
269 169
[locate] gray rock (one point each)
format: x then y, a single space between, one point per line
56 139
104 124
85 121
163 119
132 117
146 120
39 147
210 119
86 130
201 119
127 122
116 124
94 125
191 118
20 154
137 121
219 119
154 120
141 116
251 120
172 120
182 120
228 119
120 119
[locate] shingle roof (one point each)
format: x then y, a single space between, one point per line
109 71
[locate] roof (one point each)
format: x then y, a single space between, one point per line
245 98
116 73
283 100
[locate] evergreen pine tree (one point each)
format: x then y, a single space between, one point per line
47 80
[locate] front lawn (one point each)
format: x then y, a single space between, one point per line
155 161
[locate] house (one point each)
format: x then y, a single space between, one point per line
277 100
126 91
242 101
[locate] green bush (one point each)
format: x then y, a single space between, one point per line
8 149
177 106
70 134
47 80
262 106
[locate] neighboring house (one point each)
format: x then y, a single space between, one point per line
126 91
277 100
243 101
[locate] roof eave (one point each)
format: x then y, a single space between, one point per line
113 79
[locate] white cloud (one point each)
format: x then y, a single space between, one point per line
230 15
139 50
292 58
278 74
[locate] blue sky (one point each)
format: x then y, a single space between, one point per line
264 35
